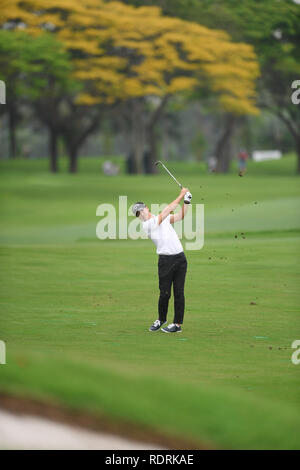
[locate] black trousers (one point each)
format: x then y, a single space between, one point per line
171 270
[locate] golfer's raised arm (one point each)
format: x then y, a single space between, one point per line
171 207
180 215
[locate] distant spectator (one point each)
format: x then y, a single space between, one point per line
26 150
242 159
212 164
110 169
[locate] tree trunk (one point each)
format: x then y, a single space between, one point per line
293 127
73 154
138 137
298 154
53 151
12 123
223 146
151 156
138 154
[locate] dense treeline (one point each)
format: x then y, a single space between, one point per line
78 64
273 29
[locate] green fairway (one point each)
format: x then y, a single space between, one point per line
75 310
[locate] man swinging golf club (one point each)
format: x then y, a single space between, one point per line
172 263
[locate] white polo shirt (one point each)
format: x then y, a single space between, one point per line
164 236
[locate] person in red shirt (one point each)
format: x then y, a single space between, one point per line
242 158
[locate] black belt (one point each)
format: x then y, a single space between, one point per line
178 255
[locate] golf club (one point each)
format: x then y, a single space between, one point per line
156 163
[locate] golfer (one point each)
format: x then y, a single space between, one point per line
172 263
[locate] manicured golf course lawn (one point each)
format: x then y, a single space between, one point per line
75 310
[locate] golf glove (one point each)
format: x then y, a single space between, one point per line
187 198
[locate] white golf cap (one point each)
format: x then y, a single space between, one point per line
137 207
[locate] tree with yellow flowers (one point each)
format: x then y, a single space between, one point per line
138 58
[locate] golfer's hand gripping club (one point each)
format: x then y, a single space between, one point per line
187 198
